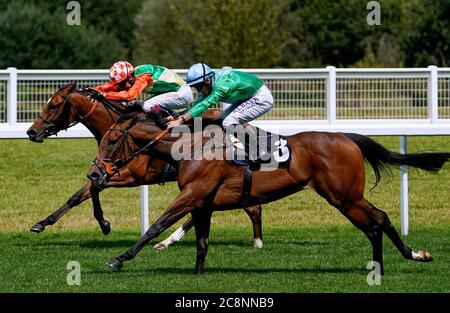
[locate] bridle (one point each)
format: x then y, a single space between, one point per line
113 166
59 123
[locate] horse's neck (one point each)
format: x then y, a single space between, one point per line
145 132
97 119
165 146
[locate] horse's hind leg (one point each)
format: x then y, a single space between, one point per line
80 196
254 212
371 222
387 227
408 253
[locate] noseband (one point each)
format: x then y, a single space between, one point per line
57 125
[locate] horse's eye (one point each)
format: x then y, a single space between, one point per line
52 107
112 142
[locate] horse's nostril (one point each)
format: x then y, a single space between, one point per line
31 133
93 176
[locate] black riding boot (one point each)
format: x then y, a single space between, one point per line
256 154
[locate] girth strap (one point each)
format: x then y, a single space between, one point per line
246 189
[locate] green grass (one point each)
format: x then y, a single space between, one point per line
308 245
309 259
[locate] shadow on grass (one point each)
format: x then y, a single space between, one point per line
90 244
227 270
127 243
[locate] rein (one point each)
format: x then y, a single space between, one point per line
112 166
151 143
55 126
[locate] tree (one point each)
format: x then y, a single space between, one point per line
337 33
35 37
115 17
177 33
428 40
327 32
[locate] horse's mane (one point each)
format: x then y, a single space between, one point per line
134 116
116 105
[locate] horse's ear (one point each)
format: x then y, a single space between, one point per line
68 88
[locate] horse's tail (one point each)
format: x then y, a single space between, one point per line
380 158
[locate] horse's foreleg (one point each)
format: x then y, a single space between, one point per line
202 224
254 213
80 196
176 235
181 206
98 212
124 180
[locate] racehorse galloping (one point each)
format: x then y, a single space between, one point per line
69 106
332 164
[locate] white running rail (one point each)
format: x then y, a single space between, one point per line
387 101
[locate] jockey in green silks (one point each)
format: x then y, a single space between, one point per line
246 94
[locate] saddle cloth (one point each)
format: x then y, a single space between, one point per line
277 147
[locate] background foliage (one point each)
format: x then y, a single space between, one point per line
250 34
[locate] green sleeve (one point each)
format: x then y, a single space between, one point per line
200 98
216 95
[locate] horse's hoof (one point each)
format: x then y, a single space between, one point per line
160 246
114 264
199 269
422 256
106 227
258 243
38 228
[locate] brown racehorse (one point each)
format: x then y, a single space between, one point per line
332 164
69 106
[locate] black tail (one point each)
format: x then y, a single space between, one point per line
379 157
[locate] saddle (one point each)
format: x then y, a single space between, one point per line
277 155
273 150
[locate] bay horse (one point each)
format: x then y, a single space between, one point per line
69 106
331 164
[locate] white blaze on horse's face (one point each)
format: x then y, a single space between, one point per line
50 99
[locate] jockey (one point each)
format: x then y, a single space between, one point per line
127 83
247 95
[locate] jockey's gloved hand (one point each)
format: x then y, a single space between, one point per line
95 94
158 116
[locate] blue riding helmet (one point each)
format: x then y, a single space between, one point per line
198 73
